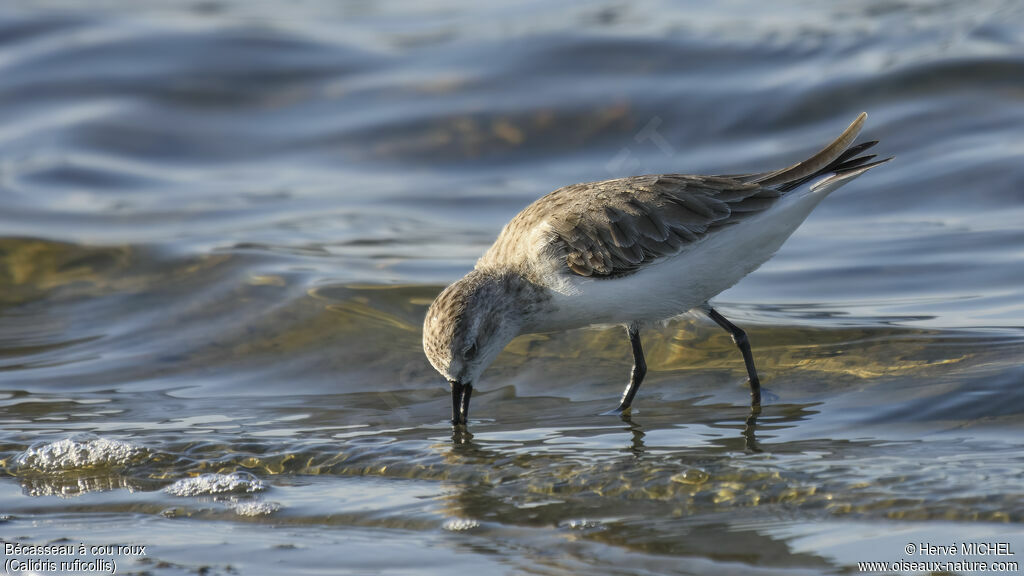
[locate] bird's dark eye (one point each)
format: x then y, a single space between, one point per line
470 352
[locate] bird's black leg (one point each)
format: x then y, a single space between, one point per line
740 338
639 369
460 402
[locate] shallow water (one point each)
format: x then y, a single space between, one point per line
223 221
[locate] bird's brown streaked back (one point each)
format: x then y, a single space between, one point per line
612 228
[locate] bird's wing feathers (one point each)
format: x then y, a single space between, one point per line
611 228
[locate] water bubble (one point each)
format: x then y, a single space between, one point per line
210 484
460 524
76 453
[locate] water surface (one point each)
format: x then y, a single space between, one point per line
223 222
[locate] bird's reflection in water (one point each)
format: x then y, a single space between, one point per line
462 441
750 428
464 446
637 447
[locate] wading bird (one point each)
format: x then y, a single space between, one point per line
627 251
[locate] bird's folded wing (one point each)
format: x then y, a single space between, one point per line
612 228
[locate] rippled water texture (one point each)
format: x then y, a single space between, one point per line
222 222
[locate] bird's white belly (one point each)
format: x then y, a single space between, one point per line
679 283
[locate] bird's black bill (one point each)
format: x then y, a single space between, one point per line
461 394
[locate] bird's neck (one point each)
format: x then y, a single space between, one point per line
520 301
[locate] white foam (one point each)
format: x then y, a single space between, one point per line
211 484
581 524
460 524
76 453
255 508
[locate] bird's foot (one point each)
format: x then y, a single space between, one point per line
623 411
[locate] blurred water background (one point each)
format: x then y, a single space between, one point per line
221 223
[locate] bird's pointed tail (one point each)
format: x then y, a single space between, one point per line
815 163
839 161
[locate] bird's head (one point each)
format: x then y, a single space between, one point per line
469 323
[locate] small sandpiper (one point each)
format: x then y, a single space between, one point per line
627 251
